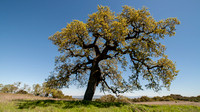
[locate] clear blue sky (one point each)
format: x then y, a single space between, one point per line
27 55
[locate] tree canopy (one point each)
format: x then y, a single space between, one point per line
96 52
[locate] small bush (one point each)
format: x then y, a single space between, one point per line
123 99
135 100
156 98
68 97
176 96
145 99
107 98
167 98
22 92
57 94
97 100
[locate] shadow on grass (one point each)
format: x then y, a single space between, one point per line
28 104
150 106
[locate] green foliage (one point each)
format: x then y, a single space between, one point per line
107 40
1 85
157 98
14 88
57 94
168 98
45 91
183 98
68 97
21 92
142 99
145 99
37 90
67 104
10 88
172 97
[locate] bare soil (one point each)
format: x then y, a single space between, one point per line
9 97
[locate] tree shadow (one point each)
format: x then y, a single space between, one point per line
151 106
31 104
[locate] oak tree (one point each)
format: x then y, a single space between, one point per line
96 52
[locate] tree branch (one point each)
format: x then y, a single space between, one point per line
115 91
131 37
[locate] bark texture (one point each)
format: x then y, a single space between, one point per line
95 78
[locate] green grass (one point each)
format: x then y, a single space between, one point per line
83 106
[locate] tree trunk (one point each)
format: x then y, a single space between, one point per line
93 82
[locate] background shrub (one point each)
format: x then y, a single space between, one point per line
21 92
123 99
145 99
57 94
107 98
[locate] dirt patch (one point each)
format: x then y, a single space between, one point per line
9 97
4 97
170 103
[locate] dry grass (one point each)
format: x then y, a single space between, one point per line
43 104
9 97
170 103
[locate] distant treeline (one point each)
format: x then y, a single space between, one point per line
172 97
44 91
36 89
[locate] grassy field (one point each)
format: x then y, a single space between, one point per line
49 105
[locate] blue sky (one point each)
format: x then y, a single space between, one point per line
27 55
